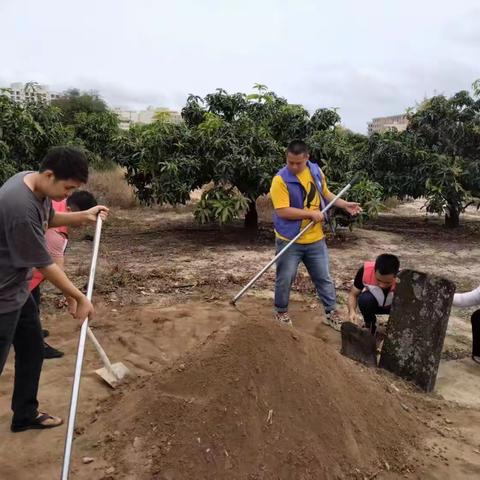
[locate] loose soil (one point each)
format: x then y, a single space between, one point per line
223 392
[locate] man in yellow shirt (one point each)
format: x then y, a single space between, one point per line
299 192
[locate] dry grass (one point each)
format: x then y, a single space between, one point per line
265 208
111 188
391 203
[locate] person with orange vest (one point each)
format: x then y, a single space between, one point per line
373 290
56 240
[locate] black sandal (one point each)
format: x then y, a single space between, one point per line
476 359
36 424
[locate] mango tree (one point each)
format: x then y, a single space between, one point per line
27 131
437 157
234 141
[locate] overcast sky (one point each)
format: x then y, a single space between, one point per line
366 57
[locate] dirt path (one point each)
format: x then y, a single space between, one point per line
163 287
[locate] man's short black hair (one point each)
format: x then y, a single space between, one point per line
82 200
387 264
297 147
66 163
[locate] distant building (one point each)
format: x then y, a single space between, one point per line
385 124
20 92
130 117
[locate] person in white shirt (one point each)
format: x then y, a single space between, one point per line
471 299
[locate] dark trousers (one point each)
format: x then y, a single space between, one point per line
476 333
22 329
369 308
36 294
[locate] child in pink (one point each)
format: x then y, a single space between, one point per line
57 240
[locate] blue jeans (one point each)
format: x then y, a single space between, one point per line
315 258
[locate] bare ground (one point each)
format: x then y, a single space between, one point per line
163 287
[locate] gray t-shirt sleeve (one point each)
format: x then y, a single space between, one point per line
26 244
51 214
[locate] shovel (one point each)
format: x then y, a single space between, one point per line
114 373
111 373
358 344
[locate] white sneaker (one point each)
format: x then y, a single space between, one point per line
284 319
333 320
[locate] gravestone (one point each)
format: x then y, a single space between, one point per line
417 327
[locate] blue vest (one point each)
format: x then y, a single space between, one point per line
290 228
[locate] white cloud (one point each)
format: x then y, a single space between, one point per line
368 58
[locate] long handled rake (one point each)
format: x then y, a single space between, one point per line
345 189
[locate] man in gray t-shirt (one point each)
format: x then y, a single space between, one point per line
25 215
24 219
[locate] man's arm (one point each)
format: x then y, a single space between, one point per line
353 304
291 213
355 292
58 278
351 207
75 219
469 299
340 203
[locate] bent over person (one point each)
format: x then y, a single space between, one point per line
25 215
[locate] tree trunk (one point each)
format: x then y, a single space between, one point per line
452 217
251 217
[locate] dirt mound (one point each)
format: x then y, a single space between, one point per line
258 401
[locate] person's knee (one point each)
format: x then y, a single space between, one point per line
367 302
286 271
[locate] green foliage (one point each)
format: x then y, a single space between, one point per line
7 167
162 116
28 130
237 141
221 204
73 102
324 119
393 161
160 163
368 194
98 134
231 139
438 157
338 151
476 88
445 189
193 113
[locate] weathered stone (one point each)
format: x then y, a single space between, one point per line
417 327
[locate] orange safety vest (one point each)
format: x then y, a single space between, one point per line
370 283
